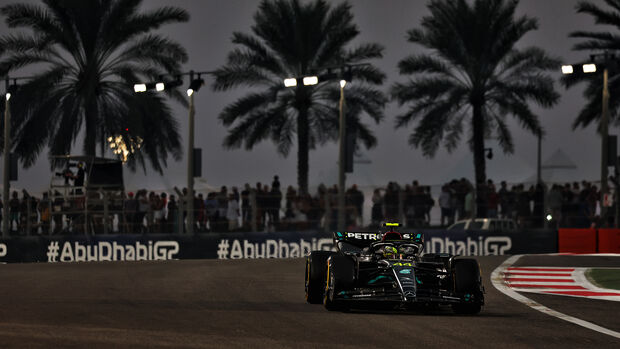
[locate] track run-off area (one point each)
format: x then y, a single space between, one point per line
260 303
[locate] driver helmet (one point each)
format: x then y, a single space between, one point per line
389 252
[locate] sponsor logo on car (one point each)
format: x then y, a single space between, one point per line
363 236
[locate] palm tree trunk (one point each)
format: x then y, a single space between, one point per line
90 138
302 150
479 160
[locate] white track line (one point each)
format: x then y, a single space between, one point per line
497 278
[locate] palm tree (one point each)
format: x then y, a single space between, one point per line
597 41
89 54
294 39
472 73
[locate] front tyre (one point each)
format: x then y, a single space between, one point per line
316 266
467 282
329 299
340 277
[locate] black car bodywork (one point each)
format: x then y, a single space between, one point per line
388 269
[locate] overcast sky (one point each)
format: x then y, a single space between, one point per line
207 39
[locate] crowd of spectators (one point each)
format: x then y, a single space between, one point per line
265 207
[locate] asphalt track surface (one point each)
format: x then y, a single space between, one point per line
260 303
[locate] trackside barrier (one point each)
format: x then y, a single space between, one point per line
577 240
609 241
284 244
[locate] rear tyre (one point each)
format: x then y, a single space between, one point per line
316 266
340 277
467 281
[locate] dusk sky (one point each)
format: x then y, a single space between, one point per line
207 39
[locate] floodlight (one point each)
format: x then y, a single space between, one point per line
311 80
290 82
589 68
567 69
139 87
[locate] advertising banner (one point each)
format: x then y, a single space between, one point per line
291 244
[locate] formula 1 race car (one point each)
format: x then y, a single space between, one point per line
388 269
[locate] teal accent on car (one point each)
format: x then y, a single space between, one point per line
405 271
418 280
377 279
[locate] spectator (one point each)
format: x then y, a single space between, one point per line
160 212
469 206
461 190
504 201
130 208
143 207
522 206
258 195
492 201
212 211
150 212
14 210
357 201
409 205
78 179
57 208
222 209
429 202
245 206
445 204
276 202
276 182
555 203
320 203
235 193
232 213
291 197
44 208
264 201
391 202
377 208
173 215
201 217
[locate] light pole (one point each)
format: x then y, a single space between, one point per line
6 162
345 77
194 86
341 160
11 91
604 123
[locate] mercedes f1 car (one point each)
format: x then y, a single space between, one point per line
388 269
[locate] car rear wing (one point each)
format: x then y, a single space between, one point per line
364 239
360 239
